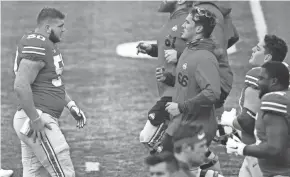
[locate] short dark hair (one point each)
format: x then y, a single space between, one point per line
205 18
279 71
186 131
49 13
275 46
167 157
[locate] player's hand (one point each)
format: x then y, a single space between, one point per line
143 48
235 146
78 114
37 127
228 117
170 56
172 108
160 74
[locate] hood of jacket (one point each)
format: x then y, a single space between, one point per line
179 12
206 44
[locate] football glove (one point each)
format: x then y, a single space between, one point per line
77 113
228 117
235 146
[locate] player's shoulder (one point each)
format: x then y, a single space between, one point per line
34 46
251 78
32 39
278 101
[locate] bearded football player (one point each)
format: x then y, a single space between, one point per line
271 48
272 130
42 97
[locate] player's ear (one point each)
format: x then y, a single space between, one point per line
47 28
198 29
274 81
268 57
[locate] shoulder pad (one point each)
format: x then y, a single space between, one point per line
34 39
33 46
275 102
251 78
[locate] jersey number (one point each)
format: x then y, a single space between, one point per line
36 36
58 63
182 79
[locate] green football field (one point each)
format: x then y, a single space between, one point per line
114 92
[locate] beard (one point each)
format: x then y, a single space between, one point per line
263 91
168 6
53 37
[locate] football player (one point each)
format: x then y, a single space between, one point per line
168 38
272 125
42 97
271 48
196 68
225 35
190 148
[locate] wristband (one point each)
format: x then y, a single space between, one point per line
70 104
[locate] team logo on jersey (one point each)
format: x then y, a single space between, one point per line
151 116
174 28
184 66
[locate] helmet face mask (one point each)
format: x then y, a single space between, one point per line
167 6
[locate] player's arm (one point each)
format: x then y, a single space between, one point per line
25 76
208 79
75 111
149 49
246 120
154 50
67 98
277 134
234 35
234 39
